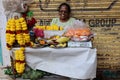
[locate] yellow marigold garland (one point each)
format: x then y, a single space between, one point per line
10 33
19 60
52 27
16 31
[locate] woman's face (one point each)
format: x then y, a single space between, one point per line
63 13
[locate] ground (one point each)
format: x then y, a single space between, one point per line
52 77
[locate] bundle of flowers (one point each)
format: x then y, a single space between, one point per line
16 31
19 60
53 27
38 32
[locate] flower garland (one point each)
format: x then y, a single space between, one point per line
17 32
22 35
19 60
53 27
10 33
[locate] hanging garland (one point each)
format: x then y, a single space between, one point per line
19 60
10 33
17 32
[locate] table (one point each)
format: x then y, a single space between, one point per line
77 63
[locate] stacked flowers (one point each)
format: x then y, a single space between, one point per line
22 34
10 33
19 60
16 31
53 27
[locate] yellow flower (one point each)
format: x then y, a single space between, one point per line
22 48
61 28
18 24
21 19
24 25
25 28
17 21
22 38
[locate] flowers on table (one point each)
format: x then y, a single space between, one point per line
53 27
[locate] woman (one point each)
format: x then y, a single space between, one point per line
65 18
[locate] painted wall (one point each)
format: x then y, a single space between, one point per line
5 52
0 53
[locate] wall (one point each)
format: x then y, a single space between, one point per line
0 53
5 52
103 17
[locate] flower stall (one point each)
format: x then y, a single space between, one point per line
54 49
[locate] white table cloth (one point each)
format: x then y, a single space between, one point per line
77 63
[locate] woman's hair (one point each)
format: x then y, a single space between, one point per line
68 6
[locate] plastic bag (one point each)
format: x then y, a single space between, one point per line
15 7
79 31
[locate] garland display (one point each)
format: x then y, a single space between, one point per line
19 61
18 34
54 36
